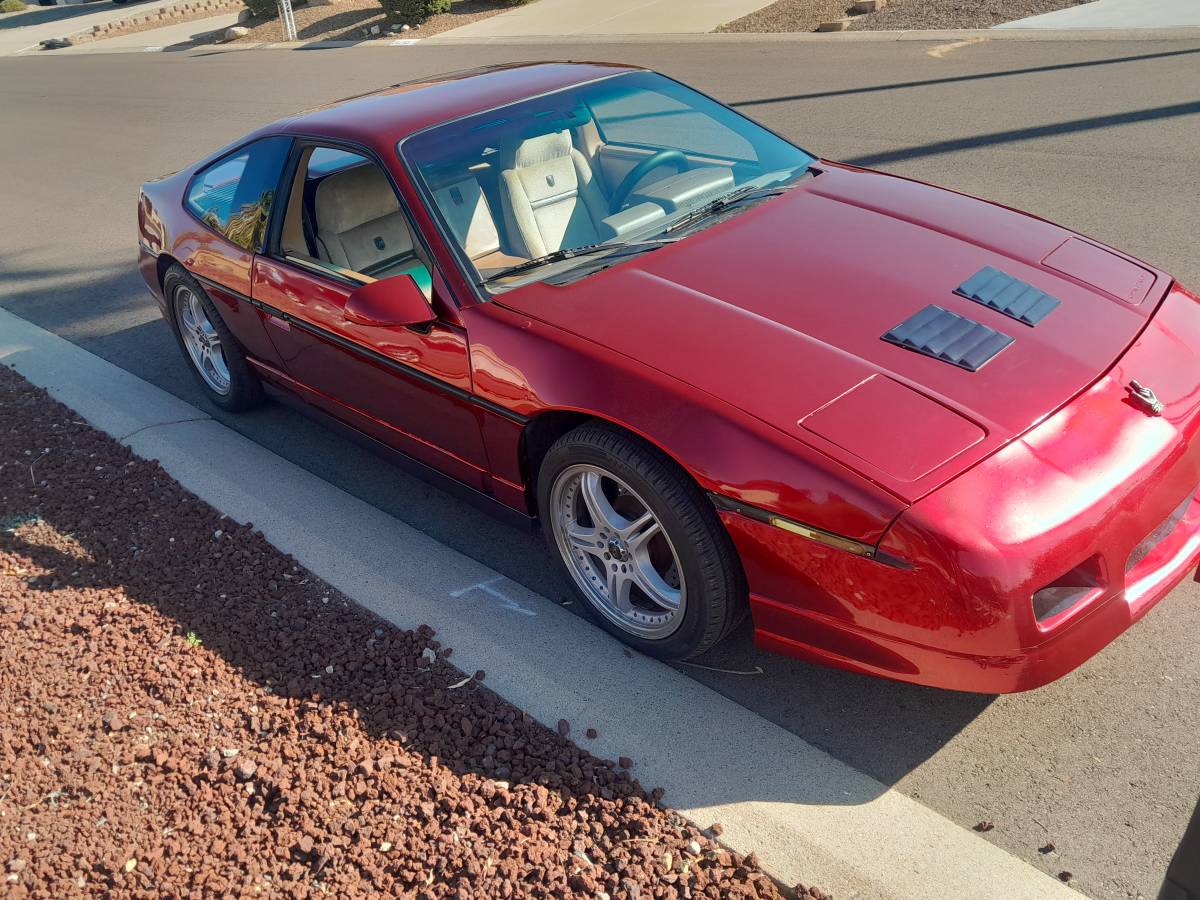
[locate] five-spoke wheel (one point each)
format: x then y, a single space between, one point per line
641 542
218 362
617 550
201 340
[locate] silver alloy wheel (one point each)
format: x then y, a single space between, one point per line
201 339
617 551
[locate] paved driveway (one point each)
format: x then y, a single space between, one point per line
1099 136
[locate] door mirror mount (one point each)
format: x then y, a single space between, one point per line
389 302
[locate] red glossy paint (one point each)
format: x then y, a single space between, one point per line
750 352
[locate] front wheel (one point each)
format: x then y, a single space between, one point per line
642 544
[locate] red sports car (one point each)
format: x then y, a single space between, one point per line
911 433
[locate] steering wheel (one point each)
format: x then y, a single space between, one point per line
637 173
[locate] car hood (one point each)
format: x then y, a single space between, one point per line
781 311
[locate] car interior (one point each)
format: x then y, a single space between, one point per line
506 199
527 196
344 216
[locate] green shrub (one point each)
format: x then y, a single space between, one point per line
517 2
11 5
411 12
262 9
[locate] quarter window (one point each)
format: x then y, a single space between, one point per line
234 195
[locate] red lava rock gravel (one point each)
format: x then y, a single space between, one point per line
187 712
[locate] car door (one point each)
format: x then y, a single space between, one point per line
409 387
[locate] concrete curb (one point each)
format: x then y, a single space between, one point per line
810 817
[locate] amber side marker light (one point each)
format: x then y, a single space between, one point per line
810 532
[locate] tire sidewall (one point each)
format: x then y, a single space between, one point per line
691 630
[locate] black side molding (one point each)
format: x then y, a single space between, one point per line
1008 295
951 338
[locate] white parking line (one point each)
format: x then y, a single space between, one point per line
809 817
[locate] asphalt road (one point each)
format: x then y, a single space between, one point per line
1102 137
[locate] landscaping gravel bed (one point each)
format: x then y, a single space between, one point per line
955 13
186 711
806 15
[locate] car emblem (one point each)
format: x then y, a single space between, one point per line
550 180
1146 397
380 244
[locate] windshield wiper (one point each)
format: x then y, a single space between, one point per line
741 195
571 253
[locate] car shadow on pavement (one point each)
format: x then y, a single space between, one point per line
1072 126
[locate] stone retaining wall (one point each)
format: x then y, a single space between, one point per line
154 18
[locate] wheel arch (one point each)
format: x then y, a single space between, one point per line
541 432
162 265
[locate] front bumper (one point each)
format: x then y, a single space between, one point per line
1086 487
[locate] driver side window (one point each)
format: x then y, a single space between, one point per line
344 217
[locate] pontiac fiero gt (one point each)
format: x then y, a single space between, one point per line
909 432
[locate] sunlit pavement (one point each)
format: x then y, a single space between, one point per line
1098 136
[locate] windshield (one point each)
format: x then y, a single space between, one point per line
565 180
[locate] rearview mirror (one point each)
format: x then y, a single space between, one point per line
389 302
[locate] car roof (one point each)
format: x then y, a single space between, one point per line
381 118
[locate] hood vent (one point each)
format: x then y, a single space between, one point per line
951 338
1008 295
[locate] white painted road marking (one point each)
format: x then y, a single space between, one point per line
503 600
942 49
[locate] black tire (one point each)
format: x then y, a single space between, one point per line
716 584
245 390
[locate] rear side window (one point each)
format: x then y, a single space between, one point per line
234 195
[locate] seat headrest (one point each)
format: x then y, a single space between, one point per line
543 149
345 200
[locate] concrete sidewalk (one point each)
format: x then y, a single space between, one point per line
588 17
1117 14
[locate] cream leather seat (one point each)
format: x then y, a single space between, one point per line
359 224
466 211
550 197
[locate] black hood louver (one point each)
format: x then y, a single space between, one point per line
1008 295
951 338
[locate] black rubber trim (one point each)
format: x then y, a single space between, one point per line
1008 295
948 337
811 532
427 473
353 347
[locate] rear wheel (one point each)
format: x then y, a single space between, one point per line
214 356
641 543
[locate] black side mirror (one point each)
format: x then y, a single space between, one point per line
389 302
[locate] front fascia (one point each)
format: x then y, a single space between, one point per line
1088 485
